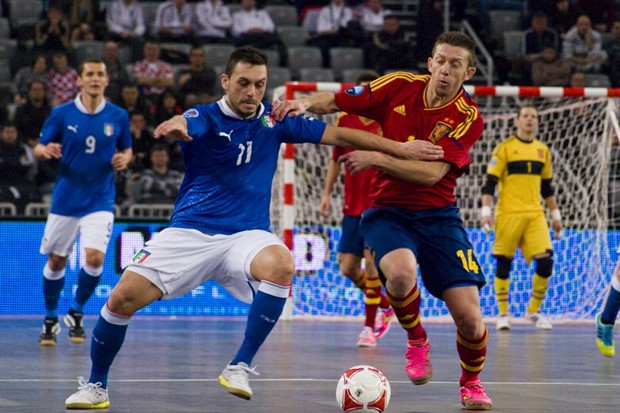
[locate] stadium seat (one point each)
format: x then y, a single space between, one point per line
5 28
316 74
597 80
512 44
24 12
8 48
293 35
37 209
88 49
278 76
282 14
345 58
150 12
159 211
351 75
504 21
7 209
218 54
273 57
303 56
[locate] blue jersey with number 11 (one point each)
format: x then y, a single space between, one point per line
85 182
229 167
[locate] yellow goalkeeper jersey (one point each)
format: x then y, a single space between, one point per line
520 167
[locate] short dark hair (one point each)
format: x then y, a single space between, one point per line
368 76
457 39
246 54
83 62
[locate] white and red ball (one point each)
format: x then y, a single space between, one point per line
363 389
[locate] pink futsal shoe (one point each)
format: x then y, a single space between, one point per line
474 397
384 317
367 338
418 365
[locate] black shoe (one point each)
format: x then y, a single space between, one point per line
50 330
73 320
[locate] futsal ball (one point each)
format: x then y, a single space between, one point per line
363 389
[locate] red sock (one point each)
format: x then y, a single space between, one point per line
407 310
472 355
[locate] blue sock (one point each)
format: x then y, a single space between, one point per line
51 295
105 343
264 313
612 306
85 287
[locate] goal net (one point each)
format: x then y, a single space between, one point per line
580 132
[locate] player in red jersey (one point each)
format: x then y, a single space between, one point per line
413 220
352 248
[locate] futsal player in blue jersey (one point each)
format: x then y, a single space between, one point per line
606 318
91 138
219 228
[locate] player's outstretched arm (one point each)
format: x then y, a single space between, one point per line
341 136
333 171
49 151
419 172
175 128
321 103
486 213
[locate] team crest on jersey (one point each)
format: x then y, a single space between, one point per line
355 91
140 256
268 121
108 129
541 153
441 130
493 161
190 113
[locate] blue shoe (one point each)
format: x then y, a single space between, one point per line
605 337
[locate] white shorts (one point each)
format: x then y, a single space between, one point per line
177 260
61 232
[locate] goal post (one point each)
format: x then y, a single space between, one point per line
578 124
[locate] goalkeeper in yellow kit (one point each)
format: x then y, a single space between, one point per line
521 168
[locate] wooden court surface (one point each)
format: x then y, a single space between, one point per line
171 366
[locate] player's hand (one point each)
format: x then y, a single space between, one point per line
420 150
557 228
486 223
281 109
52 150
325 206
358 161
172 129
120 161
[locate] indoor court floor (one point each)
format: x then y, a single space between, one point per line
171 366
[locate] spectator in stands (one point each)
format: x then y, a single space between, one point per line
17 169
196 84
372 16
133 101
390 48
29 116
158 184
153 74
85 19
52 33
27 74
612 48
62 79
173 21
167 107
578 79
550 69
582 46
254 27
333 28
429 26
213 22
602 13
142 142
564 17
125 24
117 73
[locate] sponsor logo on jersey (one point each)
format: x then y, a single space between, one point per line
268 121
355 91
140 256
191 113
226 135
441 130
400 110
72 128
108 129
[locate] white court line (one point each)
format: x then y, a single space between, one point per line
493 383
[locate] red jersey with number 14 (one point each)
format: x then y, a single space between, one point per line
356 187
397 101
